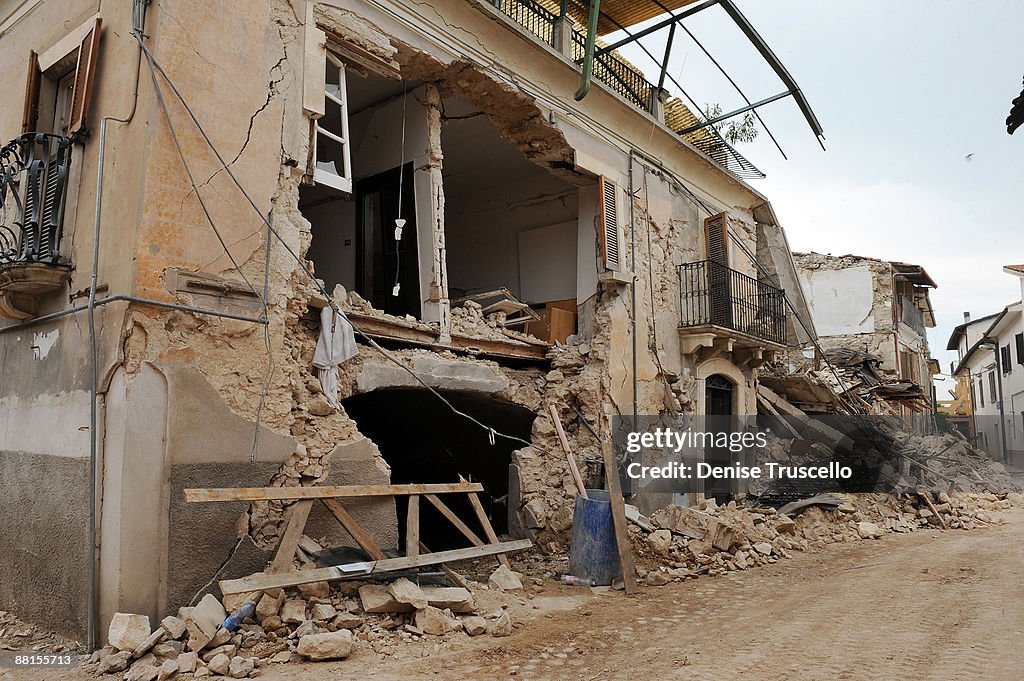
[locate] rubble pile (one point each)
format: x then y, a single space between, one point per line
313 622
949 462
686 542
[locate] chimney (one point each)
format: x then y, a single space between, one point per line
967 317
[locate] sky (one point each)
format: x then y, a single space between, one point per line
912 97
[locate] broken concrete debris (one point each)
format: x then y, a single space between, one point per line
712 539
285 627
127 632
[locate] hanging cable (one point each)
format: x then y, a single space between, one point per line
399 222
238 268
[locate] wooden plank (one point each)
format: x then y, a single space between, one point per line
326 491
568 452
619 521
352 527
774 412
931 507
485 523
455 520
456 578
412 527
262 581
779 402
297 516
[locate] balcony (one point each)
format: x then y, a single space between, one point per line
912 316
33 188
630 83
720 306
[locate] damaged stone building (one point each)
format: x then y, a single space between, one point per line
871 317
178 169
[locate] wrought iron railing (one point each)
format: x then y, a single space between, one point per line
617 74
531 15
627 80
911 315
33 187
712 294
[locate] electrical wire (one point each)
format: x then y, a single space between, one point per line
399 224
238 268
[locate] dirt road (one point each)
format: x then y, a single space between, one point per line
928 605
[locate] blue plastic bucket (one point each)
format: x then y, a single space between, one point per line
593 553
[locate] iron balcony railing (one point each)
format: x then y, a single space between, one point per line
609 68
33 187
531 15
626 80
711 294
911 315
617 74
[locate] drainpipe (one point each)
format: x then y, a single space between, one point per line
138 22
1002 413
588 57
632 290
994 344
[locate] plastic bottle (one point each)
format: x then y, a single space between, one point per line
236 618
577 581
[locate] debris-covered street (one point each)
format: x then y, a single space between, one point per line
928 605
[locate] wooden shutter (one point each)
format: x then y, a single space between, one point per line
1019 338
30 116
314 73
609 227
716 236
85 74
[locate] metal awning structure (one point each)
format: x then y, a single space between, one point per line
619 13
607 17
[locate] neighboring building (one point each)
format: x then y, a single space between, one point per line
991 361
958 408
880 308
630 244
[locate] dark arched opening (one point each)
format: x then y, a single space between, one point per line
426 442
719 393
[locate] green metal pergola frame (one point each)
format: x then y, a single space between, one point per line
792 89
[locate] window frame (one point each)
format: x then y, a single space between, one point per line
82 43
321 175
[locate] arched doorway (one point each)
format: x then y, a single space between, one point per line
719 398
718 395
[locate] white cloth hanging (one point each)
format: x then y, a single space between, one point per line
336 344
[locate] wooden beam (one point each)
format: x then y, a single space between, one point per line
455 520
456 578
485 523
412 527
297 516
326 491
619 521
352 527
576 477
262 581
